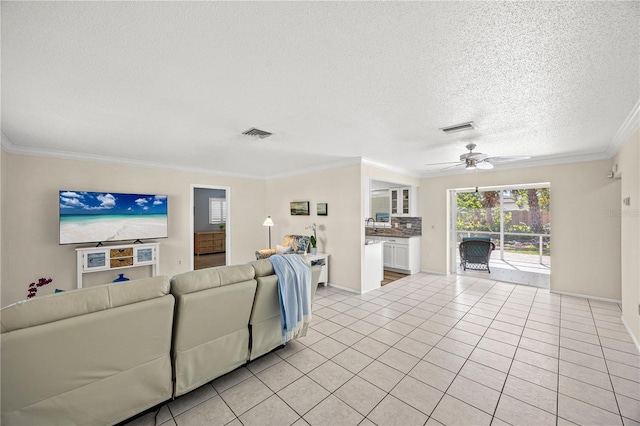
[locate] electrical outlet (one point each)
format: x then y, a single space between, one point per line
179 262
396 225
408 226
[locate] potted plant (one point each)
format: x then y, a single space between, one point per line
313 239
33 287
221 226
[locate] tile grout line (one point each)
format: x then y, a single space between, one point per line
558 376
606 365
513 359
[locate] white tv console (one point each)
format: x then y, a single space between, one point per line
114 258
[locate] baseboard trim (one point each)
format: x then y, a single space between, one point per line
427 271
582 296
635 341
350 290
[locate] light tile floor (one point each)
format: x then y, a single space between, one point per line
434 350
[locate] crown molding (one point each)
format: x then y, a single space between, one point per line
386 167
11 148
551 161
8 146
626 130
352 161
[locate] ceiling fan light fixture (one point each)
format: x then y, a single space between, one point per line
470 164
484 165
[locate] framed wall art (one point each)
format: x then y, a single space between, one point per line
322 209
299 208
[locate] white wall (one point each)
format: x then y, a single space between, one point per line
339 233
30 210
585 243
2 180
628 161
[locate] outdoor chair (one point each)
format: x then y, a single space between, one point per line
475 253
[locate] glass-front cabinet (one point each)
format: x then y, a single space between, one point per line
388 199
400 199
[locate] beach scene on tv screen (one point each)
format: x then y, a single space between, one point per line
103 216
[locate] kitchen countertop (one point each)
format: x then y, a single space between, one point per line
387 232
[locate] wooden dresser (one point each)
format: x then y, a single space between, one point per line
209 242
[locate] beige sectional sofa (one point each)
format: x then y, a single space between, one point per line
100 355
89 357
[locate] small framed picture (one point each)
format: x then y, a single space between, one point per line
323 209
299 208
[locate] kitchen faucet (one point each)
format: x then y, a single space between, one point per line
374 223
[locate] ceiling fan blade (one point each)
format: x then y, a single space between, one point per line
452 167
484 165
507 159
442 164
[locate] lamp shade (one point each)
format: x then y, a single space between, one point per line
268 221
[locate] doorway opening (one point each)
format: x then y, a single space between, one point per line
517 219
210 226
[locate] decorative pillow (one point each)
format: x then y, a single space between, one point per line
298 243
283 249
265 253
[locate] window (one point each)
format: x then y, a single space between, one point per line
217 210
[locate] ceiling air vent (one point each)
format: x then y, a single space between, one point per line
257 132
459 127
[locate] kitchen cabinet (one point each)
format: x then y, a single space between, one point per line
400 254
401 200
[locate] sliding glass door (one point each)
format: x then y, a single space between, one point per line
516 218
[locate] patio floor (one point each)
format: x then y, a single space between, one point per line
516 268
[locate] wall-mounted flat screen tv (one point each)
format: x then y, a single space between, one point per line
96 217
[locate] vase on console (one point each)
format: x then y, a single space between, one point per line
120 278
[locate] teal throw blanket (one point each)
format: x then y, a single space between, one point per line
294 289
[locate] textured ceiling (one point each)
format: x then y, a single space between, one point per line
175 83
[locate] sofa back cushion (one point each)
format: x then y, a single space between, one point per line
265 316
262 268
69 304
211 327
191 282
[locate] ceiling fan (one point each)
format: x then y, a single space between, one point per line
477 160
